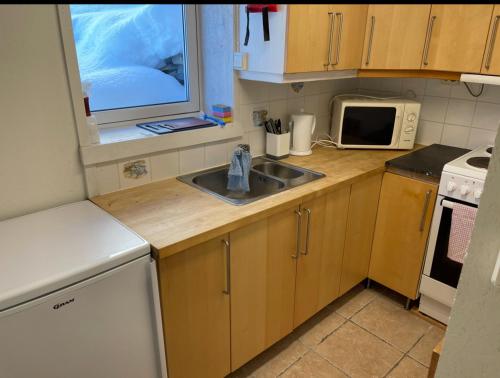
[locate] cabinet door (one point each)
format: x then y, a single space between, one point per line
309 37
262 284
320 261
456 37
349 33
403 222
361 218
395 36
491 61
196 310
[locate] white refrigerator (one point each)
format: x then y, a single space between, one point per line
78 297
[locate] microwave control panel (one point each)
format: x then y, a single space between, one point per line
409 125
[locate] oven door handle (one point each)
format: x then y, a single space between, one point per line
447 204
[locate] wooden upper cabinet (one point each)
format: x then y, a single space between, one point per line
320 260
262 284
361 219
195 309
323 37
456 37
395 36
401 233
349 33
491 60
308 37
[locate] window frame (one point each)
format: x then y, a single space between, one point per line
141 113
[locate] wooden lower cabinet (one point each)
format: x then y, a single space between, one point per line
361 219
228 299
401 233
196 310
320 259
262 284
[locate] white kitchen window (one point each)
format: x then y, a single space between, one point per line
140 59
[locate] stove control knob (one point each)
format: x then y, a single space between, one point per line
411 117
451 186
477 193
464 190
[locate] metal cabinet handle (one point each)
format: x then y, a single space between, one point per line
424 210
339 37
370 41
299 218
227 254
492 43
428 40
308 211
330 38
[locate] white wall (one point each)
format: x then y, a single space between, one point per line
450 115
38 141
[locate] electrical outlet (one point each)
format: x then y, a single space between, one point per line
259 117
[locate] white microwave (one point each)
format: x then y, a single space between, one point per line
370 122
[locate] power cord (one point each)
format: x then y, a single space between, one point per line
470 91
324 142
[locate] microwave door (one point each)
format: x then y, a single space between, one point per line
369 126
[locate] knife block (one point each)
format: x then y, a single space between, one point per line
277 145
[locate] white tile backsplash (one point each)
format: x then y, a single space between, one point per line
164 165
215 154
439 88
107 178
460 112
278 110
417 86
434 108
295 105
454 135
191 159
450 114
487 116
257 141
480 137
429 132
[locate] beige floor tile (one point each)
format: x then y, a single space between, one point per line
408 368
275 360
312 332
313 365
353 301
358 353
392 323
422 351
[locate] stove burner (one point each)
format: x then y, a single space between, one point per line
489 150
479 161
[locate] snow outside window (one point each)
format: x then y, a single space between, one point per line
140 59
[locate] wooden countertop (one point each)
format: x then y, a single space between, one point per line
173 216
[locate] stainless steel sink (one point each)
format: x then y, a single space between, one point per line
267 177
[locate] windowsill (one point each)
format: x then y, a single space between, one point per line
123 142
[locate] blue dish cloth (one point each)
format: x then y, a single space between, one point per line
239 171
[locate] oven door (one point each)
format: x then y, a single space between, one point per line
371 126
437 264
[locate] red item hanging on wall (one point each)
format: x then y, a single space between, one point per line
260 8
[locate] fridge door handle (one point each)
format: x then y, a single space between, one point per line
495 277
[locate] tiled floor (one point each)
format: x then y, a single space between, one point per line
366 333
